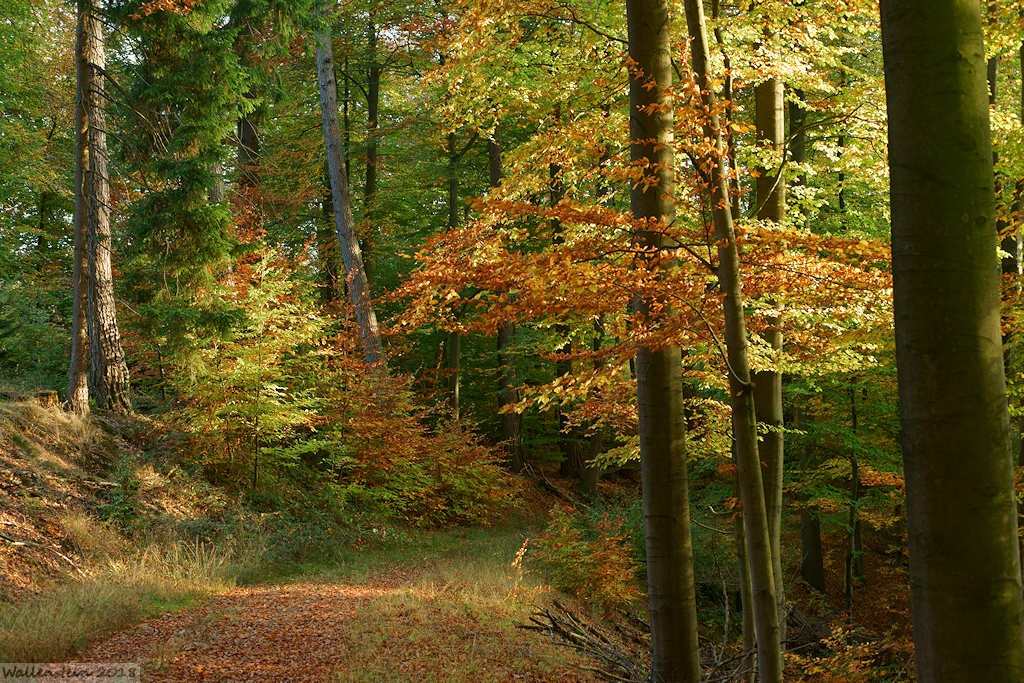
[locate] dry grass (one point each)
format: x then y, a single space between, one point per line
120 591
455 617
66 577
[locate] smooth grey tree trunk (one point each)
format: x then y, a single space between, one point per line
358 287
670 577
744 418
771 206
962 517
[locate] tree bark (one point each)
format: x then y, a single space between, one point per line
358 287
108 371
78 371
671 599
812 562
453 345
373 73
248 151
771 202
744 419
332 270
961 512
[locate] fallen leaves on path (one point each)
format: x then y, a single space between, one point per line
386 629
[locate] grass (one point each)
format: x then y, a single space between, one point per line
442 585
119 592
444 606
455 614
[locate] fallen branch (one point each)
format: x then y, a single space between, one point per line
537 474
620 651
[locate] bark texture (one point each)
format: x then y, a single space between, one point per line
965 571
771 206
78 370
673 613
358 286
108 371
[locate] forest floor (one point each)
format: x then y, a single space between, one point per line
449 612
408 605
411 606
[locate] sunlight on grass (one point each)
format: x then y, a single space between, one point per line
455 615
122 590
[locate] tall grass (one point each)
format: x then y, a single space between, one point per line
457 605
117 592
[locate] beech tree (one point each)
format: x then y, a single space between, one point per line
771 203
78 370
962 518
741 388
666 503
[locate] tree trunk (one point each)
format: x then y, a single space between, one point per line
373 72
771 200
78 371
961 512
358 287
508 394
798 148
454 344
108 371
812 560
216 193
332 270
747 639
248 152
854 549
744 419
670 594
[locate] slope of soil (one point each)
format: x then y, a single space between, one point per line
51 466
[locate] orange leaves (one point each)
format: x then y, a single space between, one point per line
173 6
872 477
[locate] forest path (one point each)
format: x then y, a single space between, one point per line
437 618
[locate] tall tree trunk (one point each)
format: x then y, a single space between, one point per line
216 193
798 147
453 346
747 636
812 560
508 393
332 270
373 73
771 206
78 371
964 561
108 371
569 442
854 548
358 287
744 419
248 151
670 594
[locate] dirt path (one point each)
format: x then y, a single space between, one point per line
396 626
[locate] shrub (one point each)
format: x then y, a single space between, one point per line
590 559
